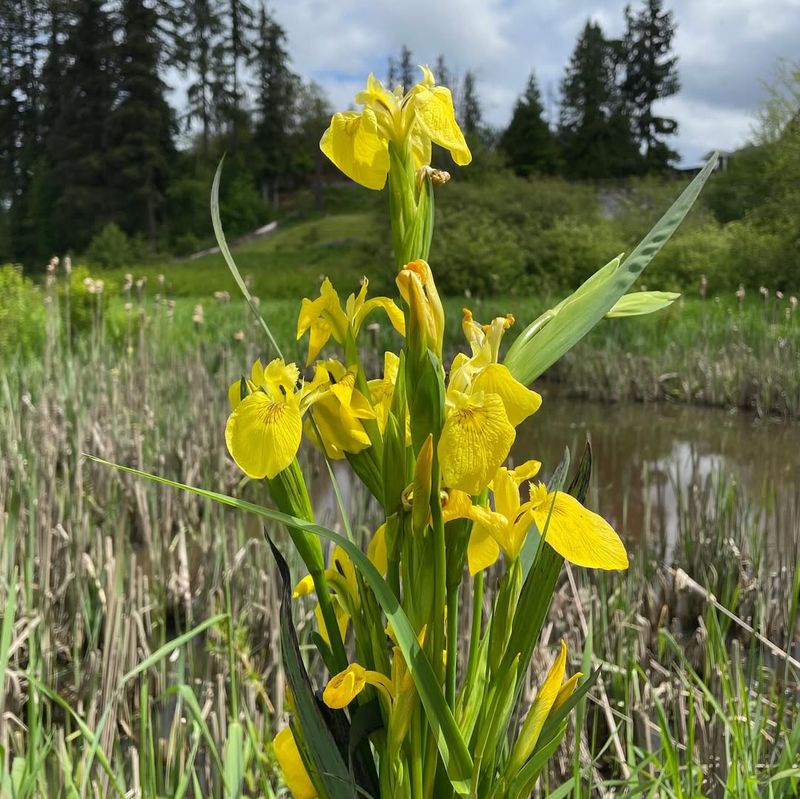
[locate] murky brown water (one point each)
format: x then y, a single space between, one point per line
647 458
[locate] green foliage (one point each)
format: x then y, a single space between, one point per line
650 75
512 236
113 248
21 312
528 142
596 136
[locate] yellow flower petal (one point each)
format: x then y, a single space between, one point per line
519 402
482 549
353 142
263 435
577 534
292 767
344 687
475 440
377 552
342 621
436 116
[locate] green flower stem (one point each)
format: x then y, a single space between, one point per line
452 646
475 632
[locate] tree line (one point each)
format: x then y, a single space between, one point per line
90 134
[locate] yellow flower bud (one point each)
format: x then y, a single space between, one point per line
418 289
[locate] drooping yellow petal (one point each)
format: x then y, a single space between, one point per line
475 440
263 435
354 143
322 318
520 402
577 534
392 311
482 549
294 771
436 116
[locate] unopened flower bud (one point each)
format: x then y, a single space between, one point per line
426 319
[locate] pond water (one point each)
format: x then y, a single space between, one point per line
651 461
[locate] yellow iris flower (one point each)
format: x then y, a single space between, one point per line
339 408
358 142
484 403
324 317
292 767
265 426
507 525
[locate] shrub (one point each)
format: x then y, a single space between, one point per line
21 312
113 248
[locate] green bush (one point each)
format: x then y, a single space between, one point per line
113 248
21 312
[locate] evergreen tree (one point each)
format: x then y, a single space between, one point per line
78 141
406 70
595 134
141 124
442 73
275 87
470 114
650 75
200 53
528 142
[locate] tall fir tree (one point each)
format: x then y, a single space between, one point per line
528 143
595 135
200 54
650 75
469 105
442 73
77 144
141 124
275 86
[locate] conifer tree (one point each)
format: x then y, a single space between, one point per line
595 135
78 141
200 54
470 113
141 124
528 142
650 75
442 73
275 86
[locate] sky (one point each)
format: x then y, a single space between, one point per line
726 51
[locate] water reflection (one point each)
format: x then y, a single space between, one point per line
649 457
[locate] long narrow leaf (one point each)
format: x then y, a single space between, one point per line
226 254
452 747
530 356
